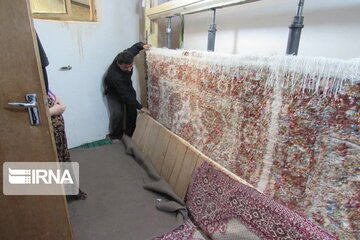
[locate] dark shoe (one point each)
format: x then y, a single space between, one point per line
129 132
113 137
80 196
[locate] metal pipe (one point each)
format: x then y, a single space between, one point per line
212 33
168 33
300 8
295 31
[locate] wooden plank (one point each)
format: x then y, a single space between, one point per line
151 27
169 159
141 123
170 6
182 32
71 13
200 161
155 142
179 159
166 155
143 140
151 139
181 7
160 149
186 171
140 128
93 11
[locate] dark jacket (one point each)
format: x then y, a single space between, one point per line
118 83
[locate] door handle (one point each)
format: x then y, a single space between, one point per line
25 105
32 107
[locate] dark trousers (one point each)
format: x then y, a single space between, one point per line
118 113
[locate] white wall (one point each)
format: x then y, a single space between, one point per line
88 48
332 28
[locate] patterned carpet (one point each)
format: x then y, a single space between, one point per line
287 125
226 209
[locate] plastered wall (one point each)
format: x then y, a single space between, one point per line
89 48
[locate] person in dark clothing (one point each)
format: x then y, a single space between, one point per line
56 109
120 94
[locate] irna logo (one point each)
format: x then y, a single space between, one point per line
39 176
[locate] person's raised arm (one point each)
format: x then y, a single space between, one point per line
137 47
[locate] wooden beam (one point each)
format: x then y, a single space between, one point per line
173 157
182 7
151 26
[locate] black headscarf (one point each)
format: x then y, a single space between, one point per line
44 63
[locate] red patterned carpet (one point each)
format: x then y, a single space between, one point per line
287 125
227 209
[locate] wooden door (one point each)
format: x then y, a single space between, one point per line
25 217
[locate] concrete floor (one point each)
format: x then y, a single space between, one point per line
117 206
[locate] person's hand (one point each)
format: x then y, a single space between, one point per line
145 110
147 46
58 108
57 100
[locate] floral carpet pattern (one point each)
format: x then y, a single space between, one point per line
216 202
290 126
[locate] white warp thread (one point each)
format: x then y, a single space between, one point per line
311 74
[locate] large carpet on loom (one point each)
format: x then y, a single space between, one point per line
288 125
117 206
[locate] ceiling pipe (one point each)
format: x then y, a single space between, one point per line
295 31
212 33
168 33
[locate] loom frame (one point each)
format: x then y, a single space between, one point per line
153 11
